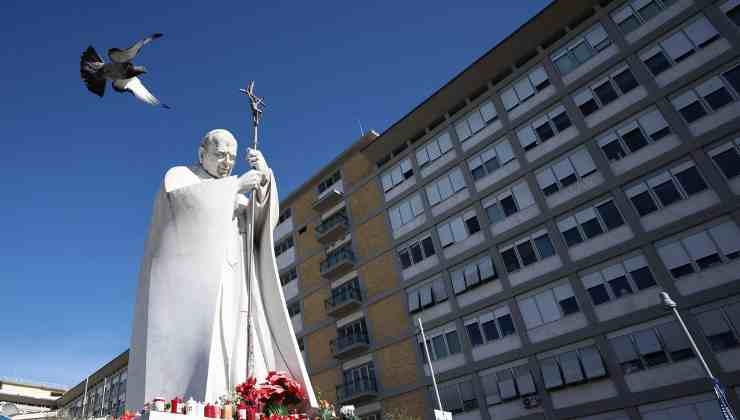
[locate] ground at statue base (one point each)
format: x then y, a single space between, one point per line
163 415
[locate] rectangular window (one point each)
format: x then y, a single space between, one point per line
288 276
720 326
285 215
570 170
708 96
445 186
655 346
524 88
416 251
508 201
617 280
458 398
605 90
581 49
526 251
490 159
509 384
572 368
442 344
472 274
590 222
543 128
727 158
633 135
434 149
394 176
679 45
475 120
294 309
637 12
406 211
283 246
329 182
660 190
710 245
427 295
489 326
548 306
458 228
732 10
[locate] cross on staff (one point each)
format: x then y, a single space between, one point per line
257 104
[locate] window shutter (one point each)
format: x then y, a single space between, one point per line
727 236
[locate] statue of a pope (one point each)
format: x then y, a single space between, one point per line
190 331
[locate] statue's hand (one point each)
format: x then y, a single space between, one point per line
250 180
256 160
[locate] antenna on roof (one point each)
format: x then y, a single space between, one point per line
362 130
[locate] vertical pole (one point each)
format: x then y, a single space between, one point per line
429 363
693 344
84 399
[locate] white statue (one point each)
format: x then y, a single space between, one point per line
190 330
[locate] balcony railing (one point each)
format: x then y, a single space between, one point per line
332 228
361 389
349 344
338 263
329 197
342 300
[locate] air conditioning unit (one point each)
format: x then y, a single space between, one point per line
531 401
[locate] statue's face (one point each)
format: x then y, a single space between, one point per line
219 157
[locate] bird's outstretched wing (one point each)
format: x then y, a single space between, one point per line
90 65
135 86
118 55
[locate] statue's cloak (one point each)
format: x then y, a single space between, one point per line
177 300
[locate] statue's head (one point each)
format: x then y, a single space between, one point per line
217 152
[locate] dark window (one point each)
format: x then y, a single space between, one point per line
692 111
526 252
568 180
509 205
660 133
507 325
453 342
644 203
613 150
728 161
599 294
610 215
416 254
667 193
592 228
473 225
550 189
478 172
718 98
589 107
476 339
572 236
691 181
658 63
569 305
634 140
625 81
649 10
708 261
545 132
494 213
492 164
682 270
544 246
733 76
643 278
630 24
440 349
620 286
561 121
510 260
542 85
490 331
428 246
606 92
734 15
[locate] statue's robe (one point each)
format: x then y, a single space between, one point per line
190 331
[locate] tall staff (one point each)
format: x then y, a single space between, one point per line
256 105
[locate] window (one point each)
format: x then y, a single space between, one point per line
633 135
618 280
476 120
636 12
360 378
548 306
472 274
704 248
720 326
329 181
459 397
655 346
605 90
572 368
665 188
406 211
508 201
543 128
283 246
490 159
416 251
490 326
590 222
681 44
508 384
581 49
458 228
727 158
294 309
445 186
355 329
526 87
434 149
397 174
708 96
526 251
442 344
427 295
568 171
732 9
285 215
288 276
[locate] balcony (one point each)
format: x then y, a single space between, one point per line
333 228
349 345
329 197
343 301
338 263
357 391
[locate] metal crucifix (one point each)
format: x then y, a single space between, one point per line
257 104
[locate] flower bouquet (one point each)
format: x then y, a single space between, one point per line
278 395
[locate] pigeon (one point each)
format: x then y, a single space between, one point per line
120 71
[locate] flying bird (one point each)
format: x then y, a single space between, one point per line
120 71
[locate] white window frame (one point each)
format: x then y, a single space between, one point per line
468 125
625 266
694 94
721 148
501 148
595 38
530 237
445 186
463 279
649 182
434 149
642 122
518 191
572 220
544 118
675 248
397 174
571 162
588 93
525 88
632 8
406 211
538 304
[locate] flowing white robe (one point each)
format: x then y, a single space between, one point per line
190 332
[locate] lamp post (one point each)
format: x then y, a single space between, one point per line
719 391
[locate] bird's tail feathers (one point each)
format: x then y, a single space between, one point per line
90 71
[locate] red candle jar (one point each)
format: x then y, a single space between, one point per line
209 411
241 411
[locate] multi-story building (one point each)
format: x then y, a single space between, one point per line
529 212
28 400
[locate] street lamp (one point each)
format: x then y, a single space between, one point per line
719 391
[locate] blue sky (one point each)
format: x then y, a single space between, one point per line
79 172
